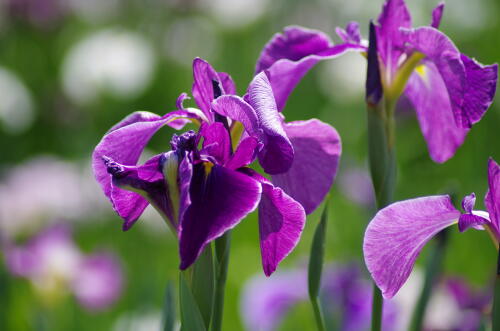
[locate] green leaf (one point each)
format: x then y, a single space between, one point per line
317 254
316 267
203 284
191 319
169 308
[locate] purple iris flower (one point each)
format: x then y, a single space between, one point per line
346 296
397 233
448 90
204 190
55 265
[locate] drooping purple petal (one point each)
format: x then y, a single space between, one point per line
492 199
437 14
220 199
317 152
444 55
133 187
288 56
125 142
216 141
276 155
394 15
479 91
245 153
98 282
237 109
471 220
281 221
427 92
397 234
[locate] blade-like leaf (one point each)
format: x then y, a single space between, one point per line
169 308
191 319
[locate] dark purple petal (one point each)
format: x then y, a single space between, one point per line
317 152
124 144
468 202
227 83
281 221
216 141
351 33
492 199
237 109
441 51
220 199
437 14
427 92
467 221
98 282
373 86
204 76
397 234
134 187
480 90
245 153
394 15
288 56
276 155
185 175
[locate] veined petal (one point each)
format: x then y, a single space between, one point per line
467 221
245 153
440 51
135 186
427 92
288 56
276 155
394 15
397 234
216 141
237 109
203 77
281 221
317 149
227 83
479 91
492 199
125 142
220 199
437 14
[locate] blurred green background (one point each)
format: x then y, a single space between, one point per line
69 70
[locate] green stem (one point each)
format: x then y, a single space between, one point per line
222 248
318 314
381 152
495 313
433 269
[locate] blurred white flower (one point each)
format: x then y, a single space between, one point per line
44 189
343 79
116 61
236 13
187 38
16 108
139 321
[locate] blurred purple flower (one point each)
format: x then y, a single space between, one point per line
42 13
448 90
356 184
397 233
54 265
204 192
345 295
